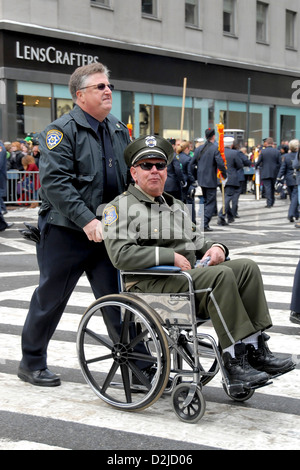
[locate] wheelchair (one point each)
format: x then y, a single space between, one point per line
121 334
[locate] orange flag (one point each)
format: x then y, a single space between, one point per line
220 128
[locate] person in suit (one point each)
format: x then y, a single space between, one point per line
241 175
295 302
232 186
269 162
286 173
207 159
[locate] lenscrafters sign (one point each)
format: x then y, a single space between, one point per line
45 54
52 55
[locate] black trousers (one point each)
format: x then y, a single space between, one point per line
63 256
295 303
210 199
269 186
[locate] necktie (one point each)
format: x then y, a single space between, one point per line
159 199
110 180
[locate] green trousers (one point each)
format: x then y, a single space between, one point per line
230 294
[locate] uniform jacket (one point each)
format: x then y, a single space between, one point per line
71 171
246 162
287 169
175 178
269 163
234 163
210 160
139 234
296 166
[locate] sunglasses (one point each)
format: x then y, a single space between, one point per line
147 166
100 86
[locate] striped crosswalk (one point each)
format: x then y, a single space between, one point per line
72 417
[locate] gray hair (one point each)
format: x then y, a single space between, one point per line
294 145
81 74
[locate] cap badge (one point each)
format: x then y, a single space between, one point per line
150 141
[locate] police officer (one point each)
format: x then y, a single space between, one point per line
234 164
146 227
269 162
81 167
208 160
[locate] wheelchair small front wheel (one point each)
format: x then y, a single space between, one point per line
192 412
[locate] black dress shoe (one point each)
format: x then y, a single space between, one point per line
221 222
208 229
41 378
295 317
264 360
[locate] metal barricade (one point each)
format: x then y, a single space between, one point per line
22 187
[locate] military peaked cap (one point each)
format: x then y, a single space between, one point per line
148 147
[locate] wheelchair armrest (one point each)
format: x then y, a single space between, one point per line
171 269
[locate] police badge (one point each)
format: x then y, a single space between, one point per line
150 141
110 215
53 138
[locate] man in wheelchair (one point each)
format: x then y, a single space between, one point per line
145 227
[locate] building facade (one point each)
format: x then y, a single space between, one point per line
240 59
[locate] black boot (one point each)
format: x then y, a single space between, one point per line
239 370
264 360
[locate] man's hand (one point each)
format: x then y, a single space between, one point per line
93 231
216 254
181 262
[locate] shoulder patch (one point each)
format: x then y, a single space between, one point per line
53 138
110 215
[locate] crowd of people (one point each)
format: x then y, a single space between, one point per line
19 156
196 165
190 178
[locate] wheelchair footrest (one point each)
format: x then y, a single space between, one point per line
241 387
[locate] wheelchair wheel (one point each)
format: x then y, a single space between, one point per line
118 336
192 412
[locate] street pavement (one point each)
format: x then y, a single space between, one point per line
73 417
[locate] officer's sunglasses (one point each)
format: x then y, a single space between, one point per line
100 86
147 166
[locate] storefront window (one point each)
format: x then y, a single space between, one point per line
144 119
38 104
33 107
287 127
238 120
62 100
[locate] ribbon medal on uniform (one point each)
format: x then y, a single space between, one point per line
110 215
53 138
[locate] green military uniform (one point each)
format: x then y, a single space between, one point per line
139 233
